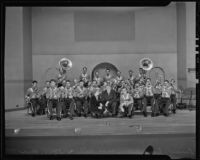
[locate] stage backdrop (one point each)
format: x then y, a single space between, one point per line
92 36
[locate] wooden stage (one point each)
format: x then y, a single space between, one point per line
173 135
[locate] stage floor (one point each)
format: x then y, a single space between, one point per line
173 135
182 122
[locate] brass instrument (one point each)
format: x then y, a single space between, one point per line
146 64
65 64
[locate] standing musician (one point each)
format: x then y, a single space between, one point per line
85 77
173 98
61 101
131 77
126 104
165 98
97 78
68 108
157 97
119 77
32 97
108 76
148 96
52 95
61 76
138 95
81 100
141 76
43 100
109 101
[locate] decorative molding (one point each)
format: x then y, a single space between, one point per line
101 53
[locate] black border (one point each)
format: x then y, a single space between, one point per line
32 3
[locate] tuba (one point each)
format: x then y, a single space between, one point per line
146 64
65 64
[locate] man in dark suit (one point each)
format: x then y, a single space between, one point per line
109 101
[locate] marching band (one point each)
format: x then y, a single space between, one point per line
107 96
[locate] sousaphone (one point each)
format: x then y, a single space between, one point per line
58 72
155 73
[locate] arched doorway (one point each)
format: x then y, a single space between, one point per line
101 68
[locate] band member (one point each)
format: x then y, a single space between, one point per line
157 98
173 99
32 98
108 76
119 77
96 106
109 101
138 94
61 76
52 95
165 97
43 100
126 103
97 78
85 77
148 96
82 100
131 77
68 108
141 76
61 101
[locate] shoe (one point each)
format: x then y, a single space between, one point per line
129 116
145 114
33 114
174 111
85 115
51 117
152 115
157 114
58 118
71 118
166 115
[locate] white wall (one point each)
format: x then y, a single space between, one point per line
190 42
53 38
14 68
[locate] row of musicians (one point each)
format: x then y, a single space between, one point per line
102 101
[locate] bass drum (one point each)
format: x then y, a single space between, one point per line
101 68
157 73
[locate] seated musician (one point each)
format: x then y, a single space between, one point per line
157 98
108 76
173 98
138 95
148 96
68 108
85 77
52 95
43 100
81 100
109 101
97 78
165 98
126 104
32 98
96 106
